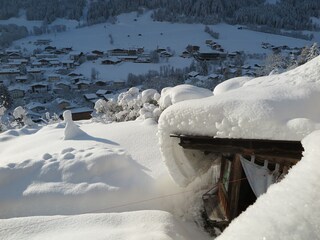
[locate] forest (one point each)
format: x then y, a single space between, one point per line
285 14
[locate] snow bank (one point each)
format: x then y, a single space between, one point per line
283 106
231 84
173 95
289 209
106 168
120 226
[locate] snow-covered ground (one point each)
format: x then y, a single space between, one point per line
121 226
96 168
120 71
131 31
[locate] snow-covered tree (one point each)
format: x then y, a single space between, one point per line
313 52
5 97
20 117
130 105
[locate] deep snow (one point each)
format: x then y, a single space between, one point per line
282 106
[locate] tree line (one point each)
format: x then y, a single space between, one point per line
47 10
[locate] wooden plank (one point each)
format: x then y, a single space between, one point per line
234 186
288 152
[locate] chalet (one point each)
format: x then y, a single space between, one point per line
185 54
9 75
58 52
75 56
39 88
213 76
50 49
109 97
128 58
42 42
118 84
111 61
209 41
143 60
36 64
66 50
247 168
61 88
193 48
22 79
211 56
92 56
276 50
68 64
14 55
36 107
64 86
54 77
100 83
132 52
18 62
54 63
81 113
45 56
44 62
17 92
73 74
159 50
78 79
34 74
102 92
246 67
98 53
166 54
62 103
83 84
118 52
91 97
193 74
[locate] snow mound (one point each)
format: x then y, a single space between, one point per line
120 226
283 107
111 168
71 131
230 84
173 95
99 175
288 209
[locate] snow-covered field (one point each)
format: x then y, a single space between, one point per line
176 36
99 169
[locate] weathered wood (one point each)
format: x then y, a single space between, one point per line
234 186
288 152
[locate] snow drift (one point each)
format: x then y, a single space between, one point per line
283 107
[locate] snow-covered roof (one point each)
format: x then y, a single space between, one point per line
33 105
282 107
173 95
90 96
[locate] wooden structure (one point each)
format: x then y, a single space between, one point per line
232 194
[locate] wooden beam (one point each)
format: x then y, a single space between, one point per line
288 152
234 186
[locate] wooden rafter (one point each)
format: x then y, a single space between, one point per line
275 151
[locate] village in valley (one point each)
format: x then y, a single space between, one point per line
47 81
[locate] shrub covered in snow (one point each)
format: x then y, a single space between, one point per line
20 118
134 104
